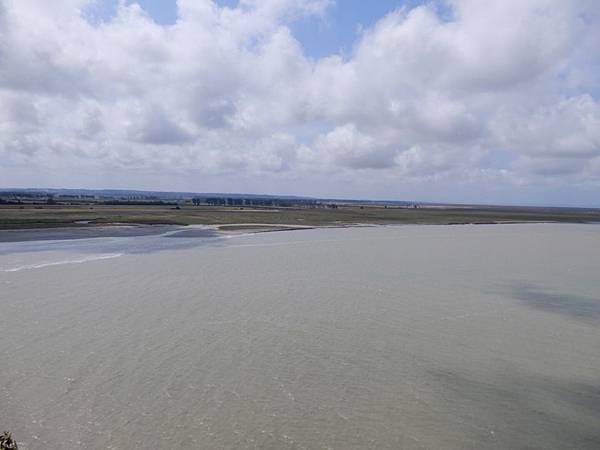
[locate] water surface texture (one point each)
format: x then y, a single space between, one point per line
414 337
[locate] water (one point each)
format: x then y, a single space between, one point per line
424 337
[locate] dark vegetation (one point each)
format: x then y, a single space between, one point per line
7 442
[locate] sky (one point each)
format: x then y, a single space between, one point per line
442 100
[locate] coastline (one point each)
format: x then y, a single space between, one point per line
139 230
121 230
121 219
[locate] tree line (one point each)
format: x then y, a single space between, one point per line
242 201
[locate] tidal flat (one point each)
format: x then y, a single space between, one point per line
413 337
29 216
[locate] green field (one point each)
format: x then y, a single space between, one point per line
36 216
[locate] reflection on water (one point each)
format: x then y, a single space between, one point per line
395 337
586 308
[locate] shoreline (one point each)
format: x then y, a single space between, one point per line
257 219
118 230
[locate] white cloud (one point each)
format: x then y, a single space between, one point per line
433 94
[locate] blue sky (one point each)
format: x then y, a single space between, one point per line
335 33
339 30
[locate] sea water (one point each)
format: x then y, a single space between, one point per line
413 337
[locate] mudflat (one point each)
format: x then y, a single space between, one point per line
72 233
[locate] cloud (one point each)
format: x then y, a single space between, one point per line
568 129
156 128
430 94
347 147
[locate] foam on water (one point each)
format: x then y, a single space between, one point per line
61 263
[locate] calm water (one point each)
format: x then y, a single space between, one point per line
463 337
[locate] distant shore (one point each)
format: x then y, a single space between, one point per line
79 222
179 231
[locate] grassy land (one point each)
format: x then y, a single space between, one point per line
30 216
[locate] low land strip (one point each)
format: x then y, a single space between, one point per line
53 216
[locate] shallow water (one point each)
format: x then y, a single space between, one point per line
392 337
